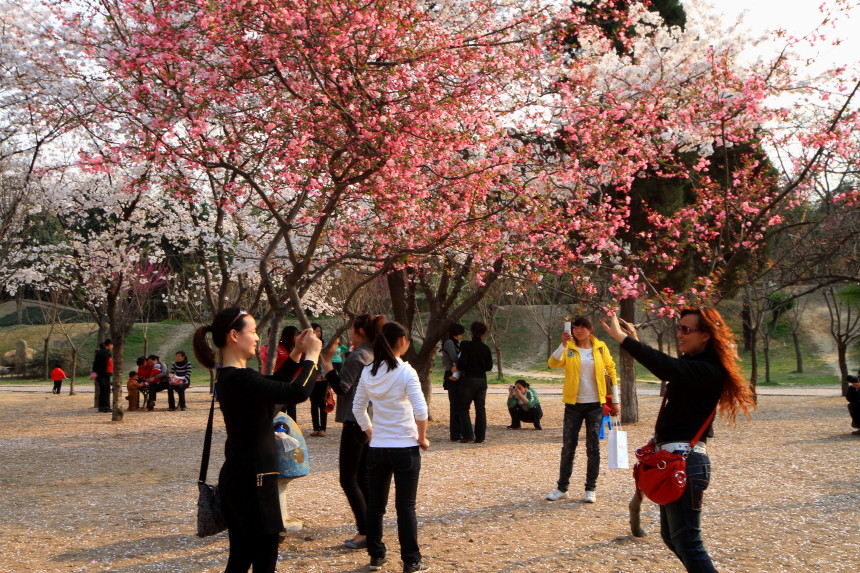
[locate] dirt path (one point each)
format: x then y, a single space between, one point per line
81 494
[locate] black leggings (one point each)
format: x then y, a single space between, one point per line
259 551
353 471
319 416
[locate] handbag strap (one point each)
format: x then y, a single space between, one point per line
701 431
207 442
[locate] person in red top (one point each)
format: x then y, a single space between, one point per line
57 375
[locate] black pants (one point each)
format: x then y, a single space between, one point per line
154 389
319 416
171 400
247 550
455 429
854 410
58 385
473 390
520 414
575 416
103 383
404 464
353 472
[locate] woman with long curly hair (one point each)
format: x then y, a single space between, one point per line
705 377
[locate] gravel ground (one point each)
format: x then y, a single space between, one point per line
80 493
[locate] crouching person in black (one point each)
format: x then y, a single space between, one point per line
524 405
853 397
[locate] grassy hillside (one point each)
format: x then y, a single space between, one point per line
523 348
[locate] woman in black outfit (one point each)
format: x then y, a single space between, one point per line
248 479
319 417
352 462
475 361
705 376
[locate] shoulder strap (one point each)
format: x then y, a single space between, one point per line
701 431
207 443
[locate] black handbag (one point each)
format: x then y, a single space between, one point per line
210 517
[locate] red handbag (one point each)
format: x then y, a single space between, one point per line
329 400
662 475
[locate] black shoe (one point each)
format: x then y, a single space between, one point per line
512 427
538 427
412 567
376 563
171 409
105 411
183 408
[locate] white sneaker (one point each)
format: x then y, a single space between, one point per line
590 497
556 495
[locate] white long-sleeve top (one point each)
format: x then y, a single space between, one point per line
397 403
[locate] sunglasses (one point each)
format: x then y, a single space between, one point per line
242 312
684 329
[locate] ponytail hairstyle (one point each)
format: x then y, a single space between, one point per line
228 319
736 393
383 346
288 337
369 325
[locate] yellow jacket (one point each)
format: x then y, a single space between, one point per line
603 364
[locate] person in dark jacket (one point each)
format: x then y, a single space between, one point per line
853 397
706 375
450 357
475 361
352 462
319 417
103 368
248 479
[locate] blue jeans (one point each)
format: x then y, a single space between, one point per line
405 465
680 520
574 416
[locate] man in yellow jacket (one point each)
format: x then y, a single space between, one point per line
589 383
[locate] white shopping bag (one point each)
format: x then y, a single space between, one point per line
617 446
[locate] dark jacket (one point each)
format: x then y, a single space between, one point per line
475 359
344 383
100 362
247 400
695 384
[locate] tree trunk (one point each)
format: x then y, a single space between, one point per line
499 369
549 347
753 362
842 355
45 365
766 350
797 354
118 345
627 371
74 370
746 322
272 343
145 343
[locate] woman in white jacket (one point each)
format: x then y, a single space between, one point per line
398 430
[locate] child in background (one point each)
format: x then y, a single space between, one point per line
57 375
133 385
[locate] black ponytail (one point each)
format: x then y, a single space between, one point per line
369 325
383 346
225 321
